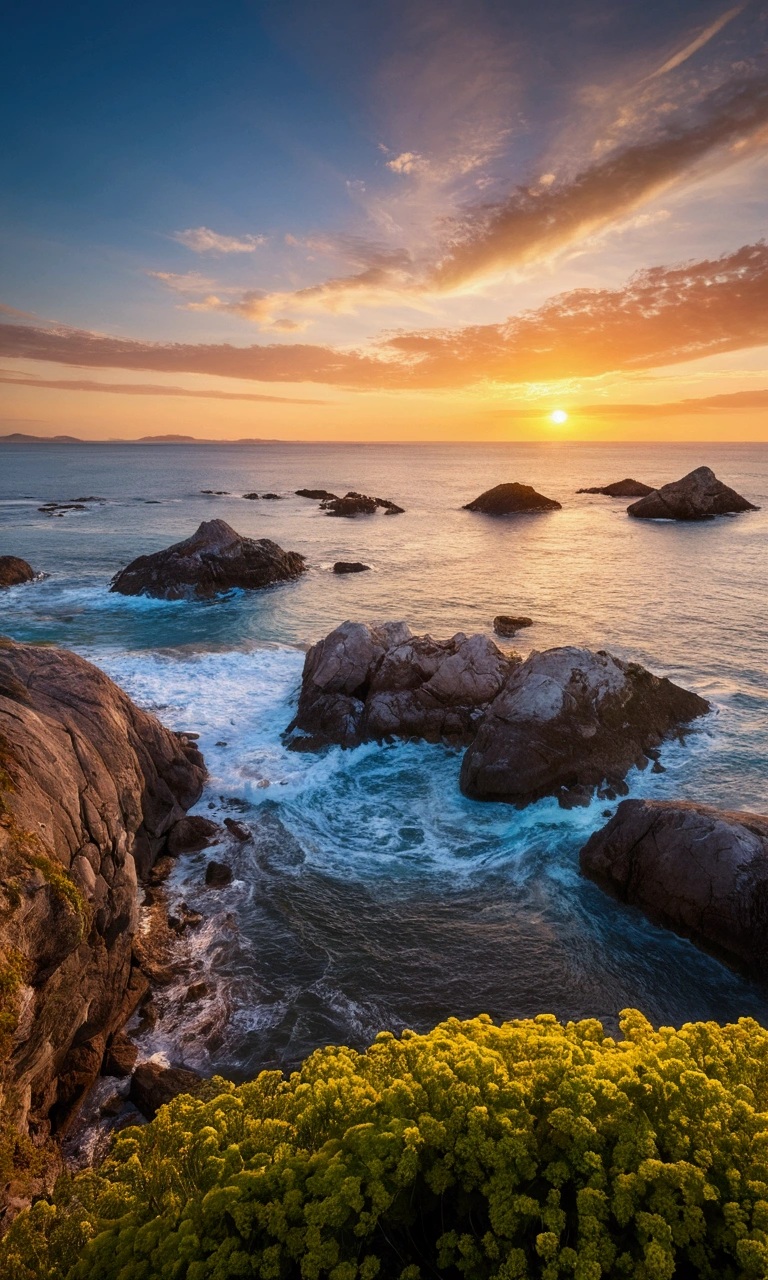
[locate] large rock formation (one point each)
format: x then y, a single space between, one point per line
90 788
359 504
373 682
569 718
511 499
214 559
698 496
14 571
698 870
621 489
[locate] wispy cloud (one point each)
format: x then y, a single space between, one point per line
203 240
144 389
699 42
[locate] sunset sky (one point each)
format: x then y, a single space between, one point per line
427 220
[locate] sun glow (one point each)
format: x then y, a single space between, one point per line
559 417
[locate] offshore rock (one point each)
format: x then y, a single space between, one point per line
698 870
218 875
698 496
506 625
90 787
214 559
511 499
351 566
14 571
192 833
359 504
622 489
374 682
152 1085
319 495
569 718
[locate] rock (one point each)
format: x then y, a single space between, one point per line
317 494
121 1055
621 489
568 717
373 682
58 508
252 497
90 786
215 493
698 870
505 625
238 829
350 566
698 496
161 871
197 991
359 504
191 833
511 499
14 571
274 497
214 559
218 875
153 1085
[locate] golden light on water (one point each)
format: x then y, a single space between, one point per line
559 417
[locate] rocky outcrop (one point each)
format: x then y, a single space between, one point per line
359 504
90 789
191 834
320 495
698 496
214 559
571 719
695 869
153 1085
366 683
511 499
350 566
621 489
504 624
14 571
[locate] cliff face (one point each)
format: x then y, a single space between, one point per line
90 787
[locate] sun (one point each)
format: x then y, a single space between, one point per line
559 417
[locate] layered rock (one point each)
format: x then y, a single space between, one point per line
511 499
570 719
214 559
14 571
90 789
698 870
698 496
622 489
359 504
374 682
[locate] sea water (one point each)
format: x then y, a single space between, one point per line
373 894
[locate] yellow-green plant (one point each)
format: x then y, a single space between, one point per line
529 1149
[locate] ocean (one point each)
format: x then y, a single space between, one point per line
373 894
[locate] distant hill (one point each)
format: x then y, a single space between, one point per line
19 437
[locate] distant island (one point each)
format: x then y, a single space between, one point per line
19 437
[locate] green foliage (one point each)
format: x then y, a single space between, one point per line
526 1150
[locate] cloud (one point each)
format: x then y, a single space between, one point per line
704 38
143 389
189 282
408 162
662 316
203 240
733 401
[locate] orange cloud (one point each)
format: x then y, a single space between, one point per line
144 389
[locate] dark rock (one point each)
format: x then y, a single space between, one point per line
191 833
252 497
58 508
698 496
214 559
113 1106
373 682
89 499
14 571
350 566
121 1055
511 499
359 504
218 875
505 625
161 871
197 991
569 717
698 870
238 829
274 497
153 1085
621 489
215 493
318 494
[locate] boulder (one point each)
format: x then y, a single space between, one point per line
698 870
121 1055
622 489
511 499
214 559
359 504
14 571
698 496
570 718
153 1085
191 833
273 497
218 875
252 497
505 625
237 829
319 495
366 683
350 566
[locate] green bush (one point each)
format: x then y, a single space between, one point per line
526 1150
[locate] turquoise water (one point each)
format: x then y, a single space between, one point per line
373 894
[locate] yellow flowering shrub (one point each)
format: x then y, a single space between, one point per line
524 1150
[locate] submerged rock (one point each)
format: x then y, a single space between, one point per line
622 489
14 571
359 504
153 1085
350 566
570 718
373 682
698 496
505 625
214 559
698 870
511 499
319 495
218 875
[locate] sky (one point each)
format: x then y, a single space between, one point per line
401 220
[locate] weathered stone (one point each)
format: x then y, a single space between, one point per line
621 489
121 1055
350 566
153 1085
511 499
359 504
191 833
569 717
14 571
698 496
506 625
218 875
237 829
214 559
699 870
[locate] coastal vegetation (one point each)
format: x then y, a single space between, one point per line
530 1149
